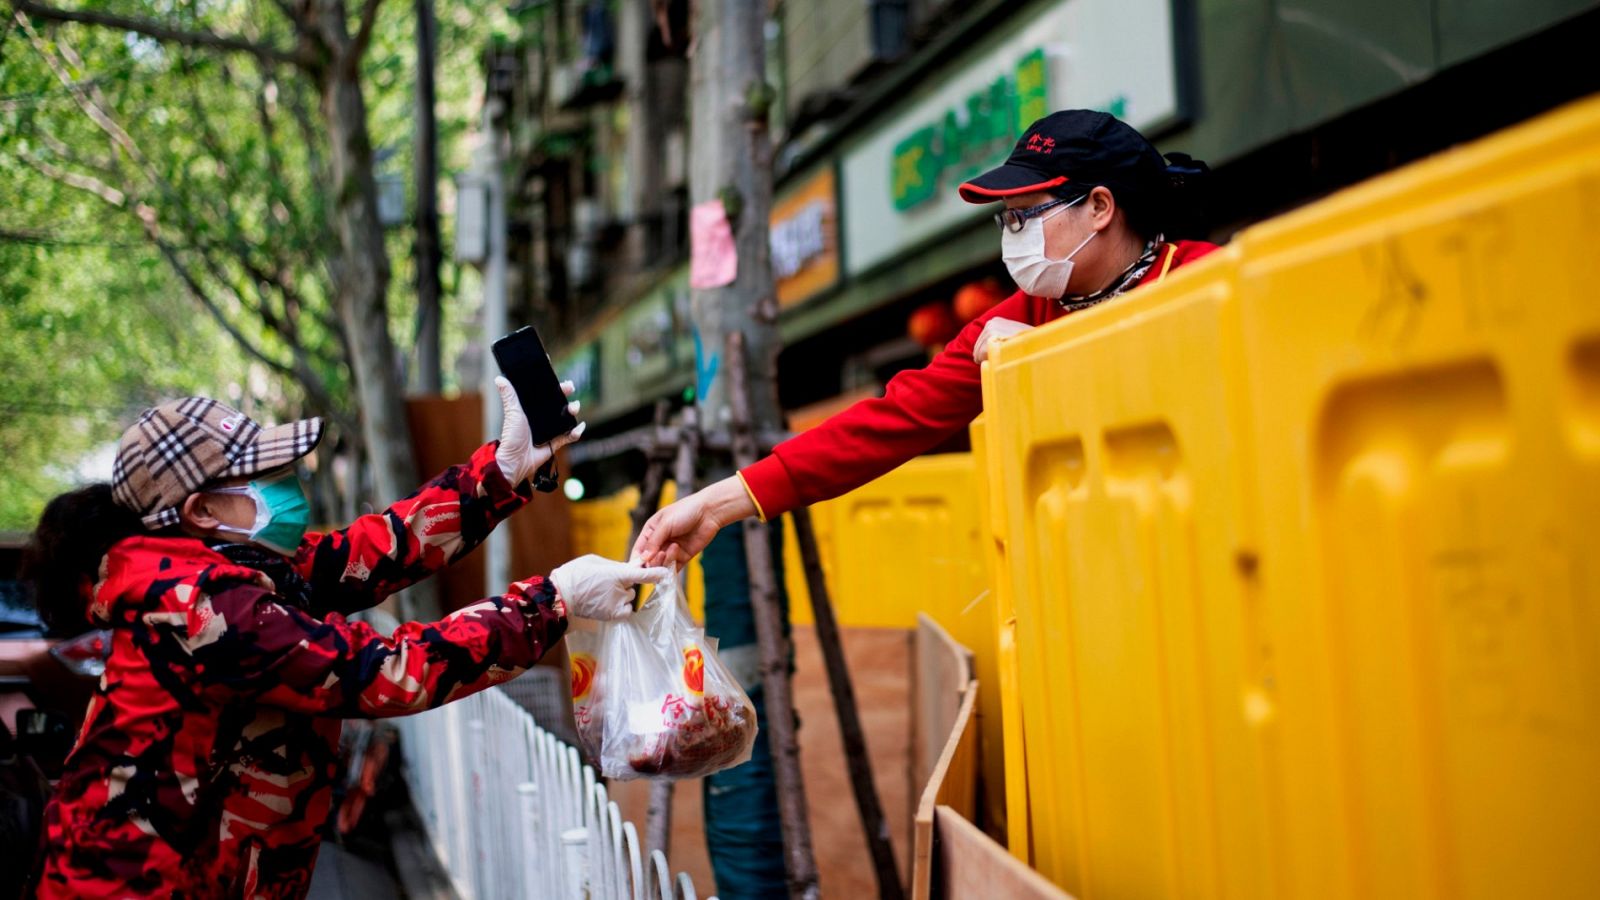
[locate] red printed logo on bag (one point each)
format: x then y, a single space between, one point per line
582 675
694 670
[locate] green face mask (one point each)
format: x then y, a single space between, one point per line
282 512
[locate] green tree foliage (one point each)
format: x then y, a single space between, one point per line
165 222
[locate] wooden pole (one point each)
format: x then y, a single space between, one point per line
781 726
844 707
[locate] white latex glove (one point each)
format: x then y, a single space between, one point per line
517 455
594 587
993 330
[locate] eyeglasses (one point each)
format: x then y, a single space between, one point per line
1013 220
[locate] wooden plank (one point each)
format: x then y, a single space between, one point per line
942 670
968 863
954 781
943 739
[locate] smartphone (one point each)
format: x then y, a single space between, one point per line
527 366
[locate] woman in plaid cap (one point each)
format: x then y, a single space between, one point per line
207 755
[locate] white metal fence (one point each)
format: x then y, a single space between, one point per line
512 812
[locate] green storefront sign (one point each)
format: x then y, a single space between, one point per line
971 137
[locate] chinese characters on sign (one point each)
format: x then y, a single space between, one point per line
805 239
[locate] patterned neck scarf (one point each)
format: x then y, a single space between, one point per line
1129 279
290 586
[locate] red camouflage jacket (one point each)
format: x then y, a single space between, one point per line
207 756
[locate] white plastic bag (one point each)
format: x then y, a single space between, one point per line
651 698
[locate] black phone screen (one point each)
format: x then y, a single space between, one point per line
523 360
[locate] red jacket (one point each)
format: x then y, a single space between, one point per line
206 761
919 410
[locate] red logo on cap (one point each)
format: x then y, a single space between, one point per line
1038 143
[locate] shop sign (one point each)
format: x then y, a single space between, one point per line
971 136
898 182
805 239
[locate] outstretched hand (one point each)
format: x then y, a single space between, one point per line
679 531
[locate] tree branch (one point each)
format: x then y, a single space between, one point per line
294 97
80 95
299 370
39 238
60 148
363 38
241 248
164 33
85 183
96 107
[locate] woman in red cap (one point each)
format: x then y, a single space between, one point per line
1088 206
206 761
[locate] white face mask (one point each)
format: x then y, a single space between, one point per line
1033 271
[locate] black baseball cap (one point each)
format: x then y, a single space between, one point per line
1073 149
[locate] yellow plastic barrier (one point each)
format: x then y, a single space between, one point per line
906 543
1429 425
602 526
1121 508
1005 774
1302 560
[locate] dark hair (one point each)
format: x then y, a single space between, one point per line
1165 198
62 559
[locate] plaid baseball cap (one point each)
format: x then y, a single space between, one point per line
175 448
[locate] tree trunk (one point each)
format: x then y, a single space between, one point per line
360 261
429 363
360 268
732 162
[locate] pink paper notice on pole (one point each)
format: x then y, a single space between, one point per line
713 261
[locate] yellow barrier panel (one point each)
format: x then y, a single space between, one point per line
1122 501
906 543
1425 416
602 526
1005 775
909 543
1301 560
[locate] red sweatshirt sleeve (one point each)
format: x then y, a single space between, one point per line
919 410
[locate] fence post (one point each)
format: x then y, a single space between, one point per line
527 850
575 860
660 876
474 763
